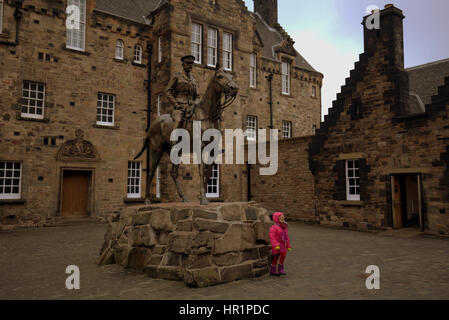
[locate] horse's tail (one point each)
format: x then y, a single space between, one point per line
146 145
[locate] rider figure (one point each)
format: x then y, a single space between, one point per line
182 92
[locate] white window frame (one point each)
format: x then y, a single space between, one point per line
78 36
352 180
212 47
253 70
285 78
101 101
158 182
227 51
214 182
138 53
3 179
159 49
197 42
134 182
119 50
286 129
1 16
251 128
29 102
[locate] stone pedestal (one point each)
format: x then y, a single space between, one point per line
200 245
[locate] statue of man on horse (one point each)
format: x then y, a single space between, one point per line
187 107
182 92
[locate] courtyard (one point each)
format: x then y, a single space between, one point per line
325 264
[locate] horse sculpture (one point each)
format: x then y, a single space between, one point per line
220 94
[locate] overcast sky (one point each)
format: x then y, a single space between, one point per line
329 34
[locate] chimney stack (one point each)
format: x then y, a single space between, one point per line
390 33
268 10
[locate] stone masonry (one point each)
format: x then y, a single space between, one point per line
201 246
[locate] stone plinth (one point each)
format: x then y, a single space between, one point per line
200 245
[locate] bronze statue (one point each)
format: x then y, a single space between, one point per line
182 92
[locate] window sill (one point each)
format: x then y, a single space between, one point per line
351 203
12 201
140 65
119 60
100 126
218 199
76 51
134 200
23 118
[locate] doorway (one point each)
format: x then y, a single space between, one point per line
406 201
75 193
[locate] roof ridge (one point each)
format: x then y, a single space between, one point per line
428 64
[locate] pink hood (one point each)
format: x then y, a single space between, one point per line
276 218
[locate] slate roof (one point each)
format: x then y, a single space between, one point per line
271 38
425 79
130 9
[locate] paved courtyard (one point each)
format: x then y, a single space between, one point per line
324 264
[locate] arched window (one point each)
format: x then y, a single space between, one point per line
119 50
137 54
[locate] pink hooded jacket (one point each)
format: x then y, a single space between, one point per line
279 235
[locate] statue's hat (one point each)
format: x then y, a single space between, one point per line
188 59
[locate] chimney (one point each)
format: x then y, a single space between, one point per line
268 10
389 34
384 39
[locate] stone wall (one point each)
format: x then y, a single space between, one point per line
200 245
292 190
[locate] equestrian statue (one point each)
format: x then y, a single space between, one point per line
182 93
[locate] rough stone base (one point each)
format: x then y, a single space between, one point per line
200 245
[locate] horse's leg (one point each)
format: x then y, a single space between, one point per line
203 200
174 175
155 157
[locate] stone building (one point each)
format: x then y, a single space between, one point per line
380 158
76 97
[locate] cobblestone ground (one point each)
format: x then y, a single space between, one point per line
324 264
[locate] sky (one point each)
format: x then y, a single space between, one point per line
329 34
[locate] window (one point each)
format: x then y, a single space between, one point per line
213 185
119 50
197 31
227 51
1 16
253 71
159 49
251 128
10 179
352 180
138 54
33 100
286 129
77 33
212 39
134 179
313 92
158 182
159 105
285 78
105 109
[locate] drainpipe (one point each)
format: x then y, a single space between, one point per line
150 56
270 83
18 17
248 170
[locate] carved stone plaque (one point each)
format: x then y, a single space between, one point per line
78 149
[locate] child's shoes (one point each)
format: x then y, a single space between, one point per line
281 270
273 271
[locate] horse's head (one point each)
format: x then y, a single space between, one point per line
224 84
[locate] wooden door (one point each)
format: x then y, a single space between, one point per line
397 202
421 218
75 191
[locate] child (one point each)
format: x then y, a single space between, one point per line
280 243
